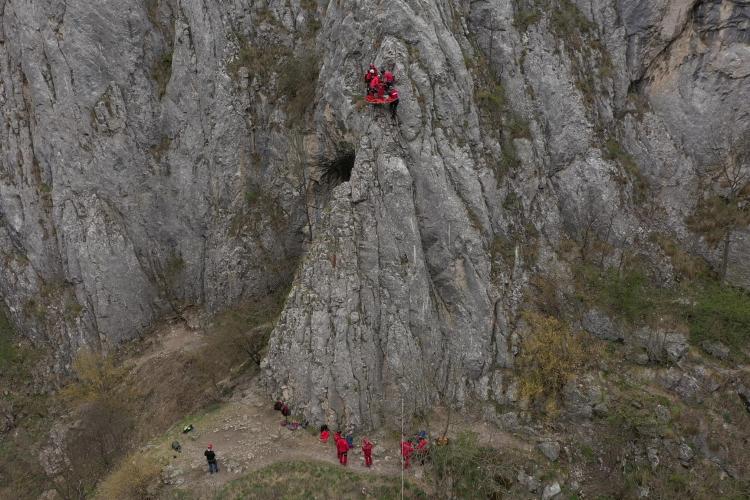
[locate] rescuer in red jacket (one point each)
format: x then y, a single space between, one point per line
369 76
387 78
367 451
375 86
406 450
342 448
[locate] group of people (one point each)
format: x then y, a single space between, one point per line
382 84
345 443
417 446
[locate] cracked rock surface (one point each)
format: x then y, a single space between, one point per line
156 155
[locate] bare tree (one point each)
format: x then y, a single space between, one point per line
724 206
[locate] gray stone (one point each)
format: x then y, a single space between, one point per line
653 457
661 345
172 475
675 346
531 483
686 454
551 491
663 414
744 393
580 397
600 325
550 449
715 349
601 410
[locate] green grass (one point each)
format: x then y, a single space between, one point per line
298 79
312 480
711 310
7 349
527 13
720 312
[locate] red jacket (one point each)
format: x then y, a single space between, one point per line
422 445
366 446
374 82
388 77
342 446
369 75
324 436
406 449
394 94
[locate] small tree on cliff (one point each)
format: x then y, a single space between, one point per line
724 205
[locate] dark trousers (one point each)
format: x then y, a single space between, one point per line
213 467
393 107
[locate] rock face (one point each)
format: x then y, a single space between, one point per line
158 155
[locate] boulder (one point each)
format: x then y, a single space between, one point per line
685 454
551 491
531 483
715 349
600 325
550 449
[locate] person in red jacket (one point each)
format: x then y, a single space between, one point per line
371 73
394 102
374 85
387 78
367 451
324 434
342 447
406 450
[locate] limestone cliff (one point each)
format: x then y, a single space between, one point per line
163 154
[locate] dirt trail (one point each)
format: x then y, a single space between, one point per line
169 341
246 432
246 435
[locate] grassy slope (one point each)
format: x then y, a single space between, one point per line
315 480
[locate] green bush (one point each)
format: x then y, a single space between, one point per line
463 469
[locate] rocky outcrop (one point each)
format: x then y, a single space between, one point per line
406 295
158 155
131 166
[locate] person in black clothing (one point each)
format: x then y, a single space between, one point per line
394 103
211 457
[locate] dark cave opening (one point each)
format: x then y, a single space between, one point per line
338 168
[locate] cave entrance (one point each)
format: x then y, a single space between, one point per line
338 167
333 168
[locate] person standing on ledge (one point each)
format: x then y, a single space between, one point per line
210 455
